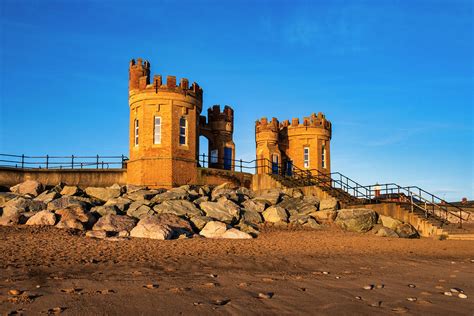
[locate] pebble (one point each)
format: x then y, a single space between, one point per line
38 286
448 293
456 290
412 299
338 277
213 275
412 286
380 286
368 287
243 284
222 302
15 292
151 286
358 298
439 287
265 295
376 304
462 295
55 310
400 310
326 272
211 284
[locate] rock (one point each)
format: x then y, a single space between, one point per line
7 196
130 188
178 225
256 206
312 223
265 295
251 217
270 196
10 220
462 295
249 229
104 210
139 210
114 223
275 214
294 193
103 194
204 190
311 199
71 190
150 227
47 197
21 205
198 201
219 192
75 216
99 234
15 292
235 234
298 205
249 194
386 232
329 204
42 218
225 211
406 231
200 221
120 203
178 207
32 187
298 219
140 195
213 229
357 220
368 287
66 201
325 216
123 233
173 194
389 222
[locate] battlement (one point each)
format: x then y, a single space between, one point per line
214 114
139 79
264 125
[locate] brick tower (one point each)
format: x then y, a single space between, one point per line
219 130
164 129
303 145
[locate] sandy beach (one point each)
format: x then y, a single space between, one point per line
280 272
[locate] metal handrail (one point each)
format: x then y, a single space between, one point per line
51 162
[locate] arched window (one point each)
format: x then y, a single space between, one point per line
183 131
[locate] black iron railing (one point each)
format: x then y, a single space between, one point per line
62 162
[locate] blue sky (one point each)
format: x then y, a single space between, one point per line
394 77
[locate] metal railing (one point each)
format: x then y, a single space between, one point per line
62 162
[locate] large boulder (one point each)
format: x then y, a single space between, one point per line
151 227
31 187
293 192
275 214
115 223
120 203
22 205
71 190
75 216
226 189
224 211
178 207
357 220
200 221
235 234
386 232
298 205
42 218
103 210
312 223
173 194
139 209
256 206
270 196
213 229
66 201
251 217
140 195
390 222
103 194
405 230
178 225
10 220
325 216
329 204
47 196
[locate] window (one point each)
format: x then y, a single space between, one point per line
157 134
306 157
136 132
323 156
183 130
214 156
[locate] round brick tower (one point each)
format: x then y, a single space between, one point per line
267 139
164 126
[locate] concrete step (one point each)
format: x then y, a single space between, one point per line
461 237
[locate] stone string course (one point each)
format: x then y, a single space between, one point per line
121 212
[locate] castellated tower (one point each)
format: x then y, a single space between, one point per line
219 129
164 128
282 147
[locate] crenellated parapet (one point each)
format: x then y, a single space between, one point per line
140 81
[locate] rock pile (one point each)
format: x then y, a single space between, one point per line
187 211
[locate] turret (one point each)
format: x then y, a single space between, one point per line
139 74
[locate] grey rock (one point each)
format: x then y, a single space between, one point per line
389 222
139 212
326 216
329 204
115 223
173 194
99 234
7 196
386 232
213 229
270 196
66 201
224 211
251 217
178 207
200 221
120 203
150 227
71 190
233 233
141 195
47 196
72 215
357 220
103 194
178 225
256 206
298 205
32 187
293 192
275 214
105 210
42 218
312 223
201 199
406 231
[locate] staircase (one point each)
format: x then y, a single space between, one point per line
448 220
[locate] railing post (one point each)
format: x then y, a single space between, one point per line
122 157
72 161
22 161
240 165
47 161
97 162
